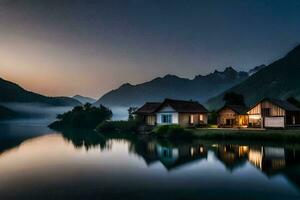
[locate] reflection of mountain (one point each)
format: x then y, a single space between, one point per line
269 160
12 134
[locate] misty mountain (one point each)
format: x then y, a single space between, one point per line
281 79
83 99
256 69
13 93
201 88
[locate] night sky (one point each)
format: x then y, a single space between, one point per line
88 47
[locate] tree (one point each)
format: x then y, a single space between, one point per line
232 98
131 110
82 117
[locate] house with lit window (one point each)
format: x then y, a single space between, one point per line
170 111
274 113
232 116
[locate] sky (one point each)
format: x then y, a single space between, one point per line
89 47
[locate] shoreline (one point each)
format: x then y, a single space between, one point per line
289 135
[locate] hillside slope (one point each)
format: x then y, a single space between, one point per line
280 79
83 99
13 93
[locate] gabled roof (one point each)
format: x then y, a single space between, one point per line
284 104
177 105
281 103
183 106
148 108
239 109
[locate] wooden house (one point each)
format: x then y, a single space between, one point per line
170 111
274 113
230 116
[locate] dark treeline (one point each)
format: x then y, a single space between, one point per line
82 117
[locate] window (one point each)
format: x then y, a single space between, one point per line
201 117
294 120
191 119
166 119
265 112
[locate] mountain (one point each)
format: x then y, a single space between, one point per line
83 99
201 88
281 79
13 93
256 69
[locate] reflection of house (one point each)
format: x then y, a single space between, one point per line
232 155
267 159
175 157
233 116
274 113
185 113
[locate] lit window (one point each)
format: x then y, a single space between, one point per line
201 117
191 119
166 119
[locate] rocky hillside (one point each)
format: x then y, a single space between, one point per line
281 79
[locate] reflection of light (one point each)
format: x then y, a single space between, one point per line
243 150
255 157
201 149
192 150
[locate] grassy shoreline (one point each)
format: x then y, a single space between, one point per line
255 135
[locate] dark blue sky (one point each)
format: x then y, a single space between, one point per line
92 46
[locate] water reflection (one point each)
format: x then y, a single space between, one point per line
86 165
268 159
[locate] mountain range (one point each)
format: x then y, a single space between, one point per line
84 100
13 93
280 79
201 88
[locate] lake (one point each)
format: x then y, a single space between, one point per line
37 163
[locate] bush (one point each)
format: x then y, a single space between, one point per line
118 126
82 117
172 132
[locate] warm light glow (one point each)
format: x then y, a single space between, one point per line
254 117
192 119
201 117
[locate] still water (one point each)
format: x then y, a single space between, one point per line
37 163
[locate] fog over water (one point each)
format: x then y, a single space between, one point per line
35 113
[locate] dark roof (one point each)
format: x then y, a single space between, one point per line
177 105
283 104
236 108
148 108
184 106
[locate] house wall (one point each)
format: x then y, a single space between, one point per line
184 119
274 109
150 119
167 110
275 120
225 114
181 118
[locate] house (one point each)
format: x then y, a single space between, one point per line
170 111
230 116
274 113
